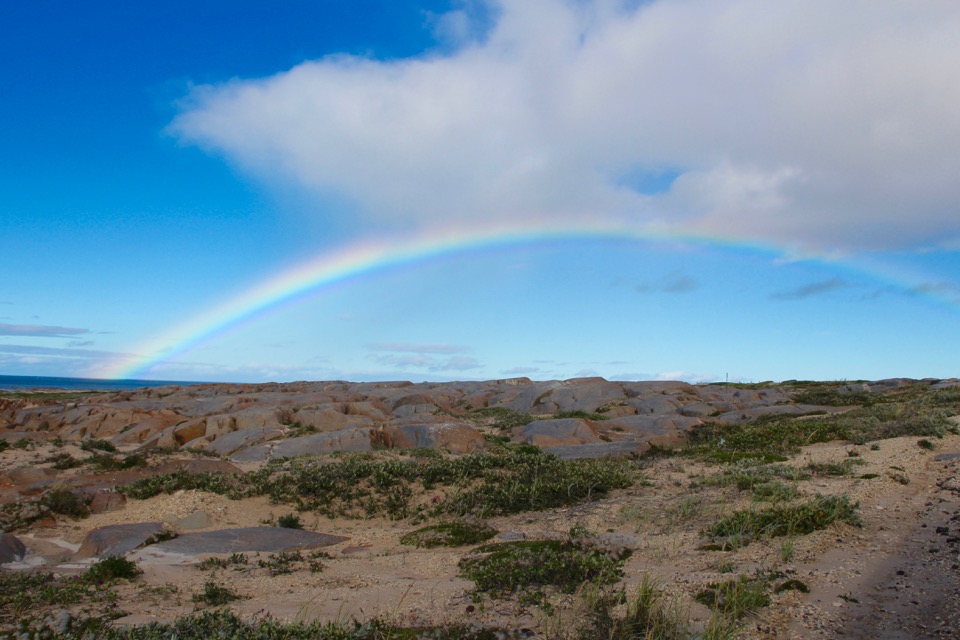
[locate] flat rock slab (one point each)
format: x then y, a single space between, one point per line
271 539
598 450
196 520
943 457
11 549
118 539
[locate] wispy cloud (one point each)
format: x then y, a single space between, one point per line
90 354
411 347
519 371
813 289
947 290
673 282
40 331
558 101
428 363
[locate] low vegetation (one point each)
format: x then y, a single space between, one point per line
215 594
742 527
910 411
512 480
26 595
223 623
507 567
735 597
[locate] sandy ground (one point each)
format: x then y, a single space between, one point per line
896 577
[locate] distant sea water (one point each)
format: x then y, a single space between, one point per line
19 383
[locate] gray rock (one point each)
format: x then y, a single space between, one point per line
11 549
235 441
696 410
648 427
449 437
555 433
104 501
320 443
196 520
654 405
511 536
598 450
268 539
118 539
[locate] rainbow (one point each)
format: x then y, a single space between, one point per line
373 256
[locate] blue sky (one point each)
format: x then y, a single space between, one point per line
749 190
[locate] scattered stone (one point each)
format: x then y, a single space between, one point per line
11 549
104 501
511 536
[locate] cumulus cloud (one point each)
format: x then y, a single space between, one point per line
817 125
40 331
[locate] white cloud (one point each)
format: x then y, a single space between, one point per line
814 124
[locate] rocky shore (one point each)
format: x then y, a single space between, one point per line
223 462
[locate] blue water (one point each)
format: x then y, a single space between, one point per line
11 383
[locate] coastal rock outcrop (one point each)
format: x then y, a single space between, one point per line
263 421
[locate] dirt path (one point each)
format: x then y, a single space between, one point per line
915 593
902 580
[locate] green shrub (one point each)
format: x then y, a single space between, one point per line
215 594
507 567
107 462
94 444
582 415
450 534
289 521
774 491
502 418
740 527
647 614
844 468
63 461
65 502
214 482
110 569
736 597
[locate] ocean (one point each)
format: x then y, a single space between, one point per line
12 383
